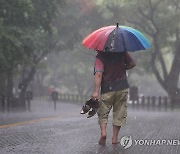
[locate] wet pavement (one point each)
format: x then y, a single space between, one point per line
65 131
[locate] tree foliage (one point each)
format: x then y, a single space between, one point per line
26 36
163 28
31 29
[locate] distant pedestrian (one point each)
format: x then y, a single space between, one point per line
29 97
111 80
54 97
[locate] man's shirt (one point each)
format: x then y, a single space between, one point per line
113 66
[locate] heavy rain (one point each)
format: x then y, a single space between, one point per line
48 72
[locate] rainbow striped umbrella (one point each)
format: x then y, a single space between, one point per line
116 39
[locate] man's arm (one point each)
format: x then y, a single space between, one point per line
129 62
97 84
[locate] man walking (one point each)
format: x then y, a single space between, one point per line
110 78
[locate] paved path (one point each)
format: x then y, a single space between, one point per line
65 131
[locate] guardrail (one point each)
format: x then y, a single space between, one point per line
145 102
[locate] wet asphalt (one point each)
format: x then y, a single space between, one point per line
64 131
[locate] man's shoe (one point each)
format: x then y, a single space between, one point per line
91 106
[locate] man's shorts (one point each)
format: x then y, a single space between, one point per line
117 100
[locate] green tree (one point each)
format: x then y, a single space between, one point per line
27 35
161 21
72 69
12 20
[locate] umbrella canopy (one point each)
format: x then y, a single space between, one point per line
116 39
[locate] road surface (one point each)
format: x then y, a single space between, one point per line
65 131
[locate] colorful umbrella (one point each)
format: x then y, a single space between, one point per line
116 39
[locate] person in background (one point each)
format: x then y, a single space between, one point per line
110 81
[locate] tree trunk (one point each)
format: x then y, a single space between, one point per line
24 84
3 82
9 93
169 81
173 78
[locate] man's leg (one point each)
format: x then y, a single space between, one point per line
115 134
119 113
103 113
102 139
